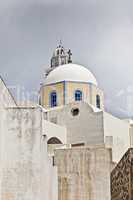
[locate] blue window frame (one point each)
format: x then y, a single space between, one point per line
98 103
78 95
53 99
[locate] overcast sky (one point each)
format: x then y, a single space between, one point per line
99 33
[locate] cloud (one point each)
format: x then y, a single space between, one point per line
98 32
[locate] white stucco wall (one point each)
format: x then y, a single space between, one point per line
118 131
54 130
25 169
86 127
94 128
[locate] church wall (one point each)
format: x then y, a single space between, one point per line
118 130
84 173
6 99
25 169
86 127
66 93
71 87
46 91
54 130
96 91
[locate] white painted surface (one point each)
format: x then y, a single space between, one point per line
26 171
86 127
94 128
54 130
119 131
70 72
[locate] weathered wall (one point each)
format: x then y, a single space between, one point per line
83 173
86 127
26 171
119 132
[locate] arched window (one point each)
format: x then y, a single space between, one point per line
54 140
98 103
53 99
78 95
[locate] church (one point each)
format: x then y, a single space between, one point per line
72 98
64 147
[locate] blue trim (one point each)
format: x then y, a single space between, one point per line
50 105
69 82
78 95
64 93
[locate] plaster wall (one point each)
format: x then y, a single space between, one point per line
26 170
83 173
54 130
46 91
118 131
87 127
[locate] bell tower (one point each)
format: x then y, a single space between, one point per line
60 57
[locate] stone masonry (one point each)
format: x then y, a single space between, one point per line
122 178
83 173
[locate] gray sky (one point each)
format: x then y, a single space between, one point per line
99 32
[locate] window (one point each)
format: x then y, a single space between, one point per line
53 99
78 95
54 140
98 101
75 111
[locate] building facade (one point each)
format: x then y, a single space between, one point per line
64 148
72 98
26 170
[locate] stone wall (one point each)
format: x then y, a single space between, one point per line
122 178
83 173
25 169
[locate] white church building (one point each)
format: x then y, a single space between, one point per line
73 99
64 147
